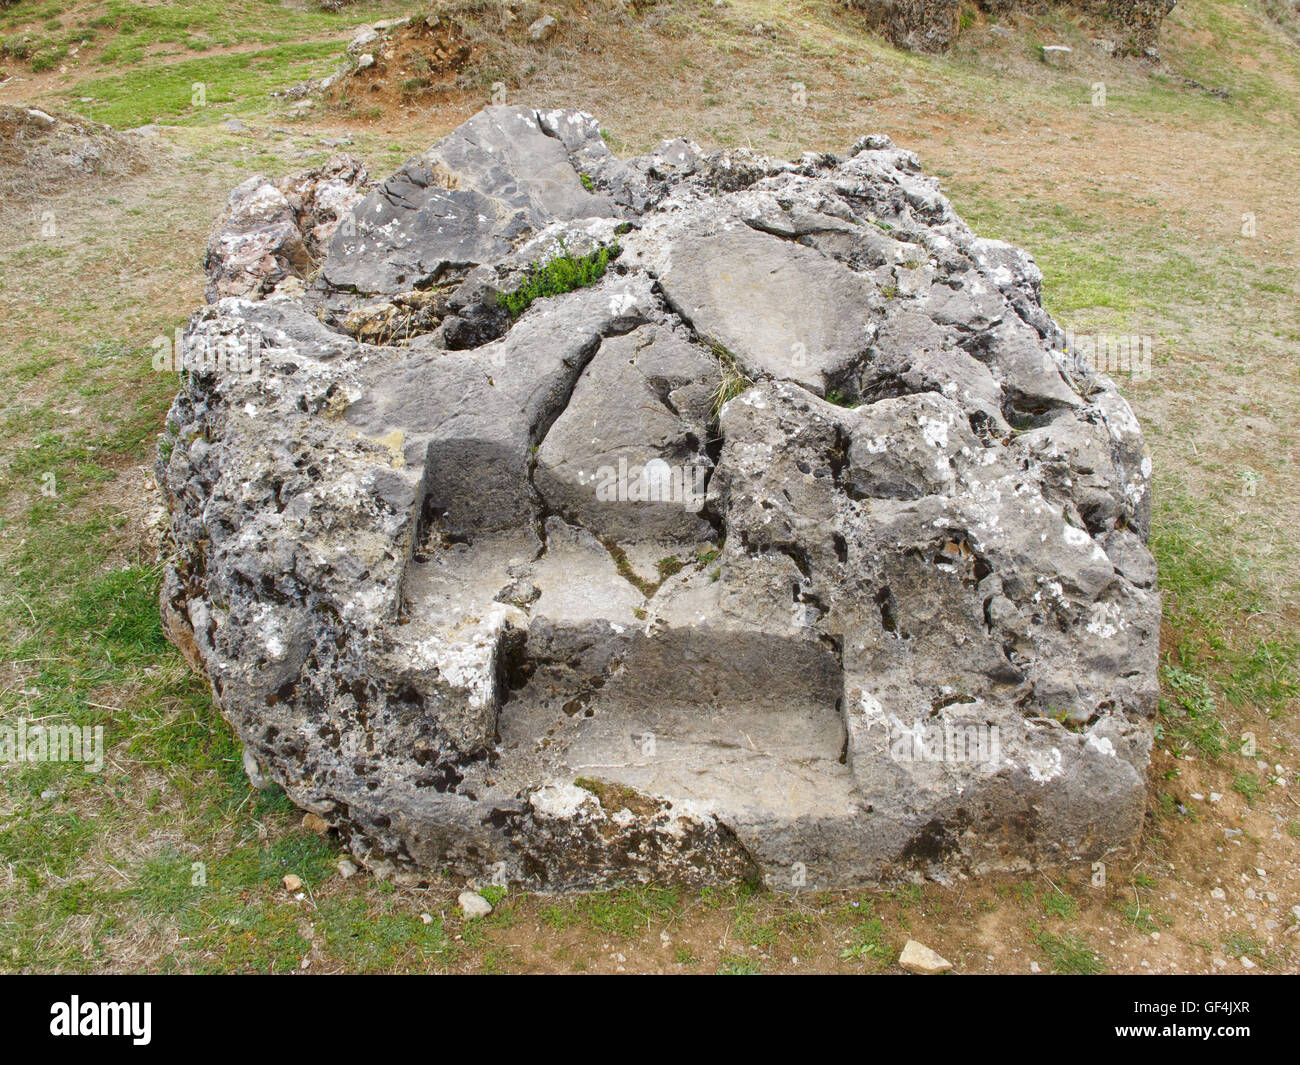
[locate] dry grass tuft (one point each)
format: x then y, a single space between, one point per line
42 153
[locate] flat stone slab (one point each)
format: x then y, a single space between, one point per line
782 309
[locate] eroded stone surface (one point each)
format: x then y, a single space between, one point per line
791 548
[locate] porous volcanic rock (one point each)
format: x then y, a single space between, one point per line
792 547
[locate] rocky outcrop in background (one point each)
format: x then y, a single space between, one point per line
43 154
933 25
567 519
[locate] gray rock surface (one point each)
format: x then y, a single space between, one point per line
543 28
933 25
466 201
790 548
275 230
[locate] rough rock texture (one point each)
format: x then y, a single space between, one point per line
791 548
915 25
1141 21
274 230
933 25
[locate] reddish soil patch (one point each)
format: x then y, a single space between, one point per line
411 64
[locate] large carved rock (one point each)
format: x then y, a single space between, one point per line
792 547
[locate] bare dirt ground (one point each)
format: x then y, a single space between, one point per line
1135 209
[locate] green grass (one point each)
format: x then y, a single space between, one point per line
1191 721
1085 265
1231 25
81 635
734 381
623 912
381 938
738 965
1139 919
230 906
564 273
240 81
1248 786
764 929
669 565
1230 649
868 940
151 55
1070 956
1059 904
125 31
1242 945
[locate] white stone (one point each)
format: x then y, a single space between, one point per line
918 958
542 28
364 37
473 905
